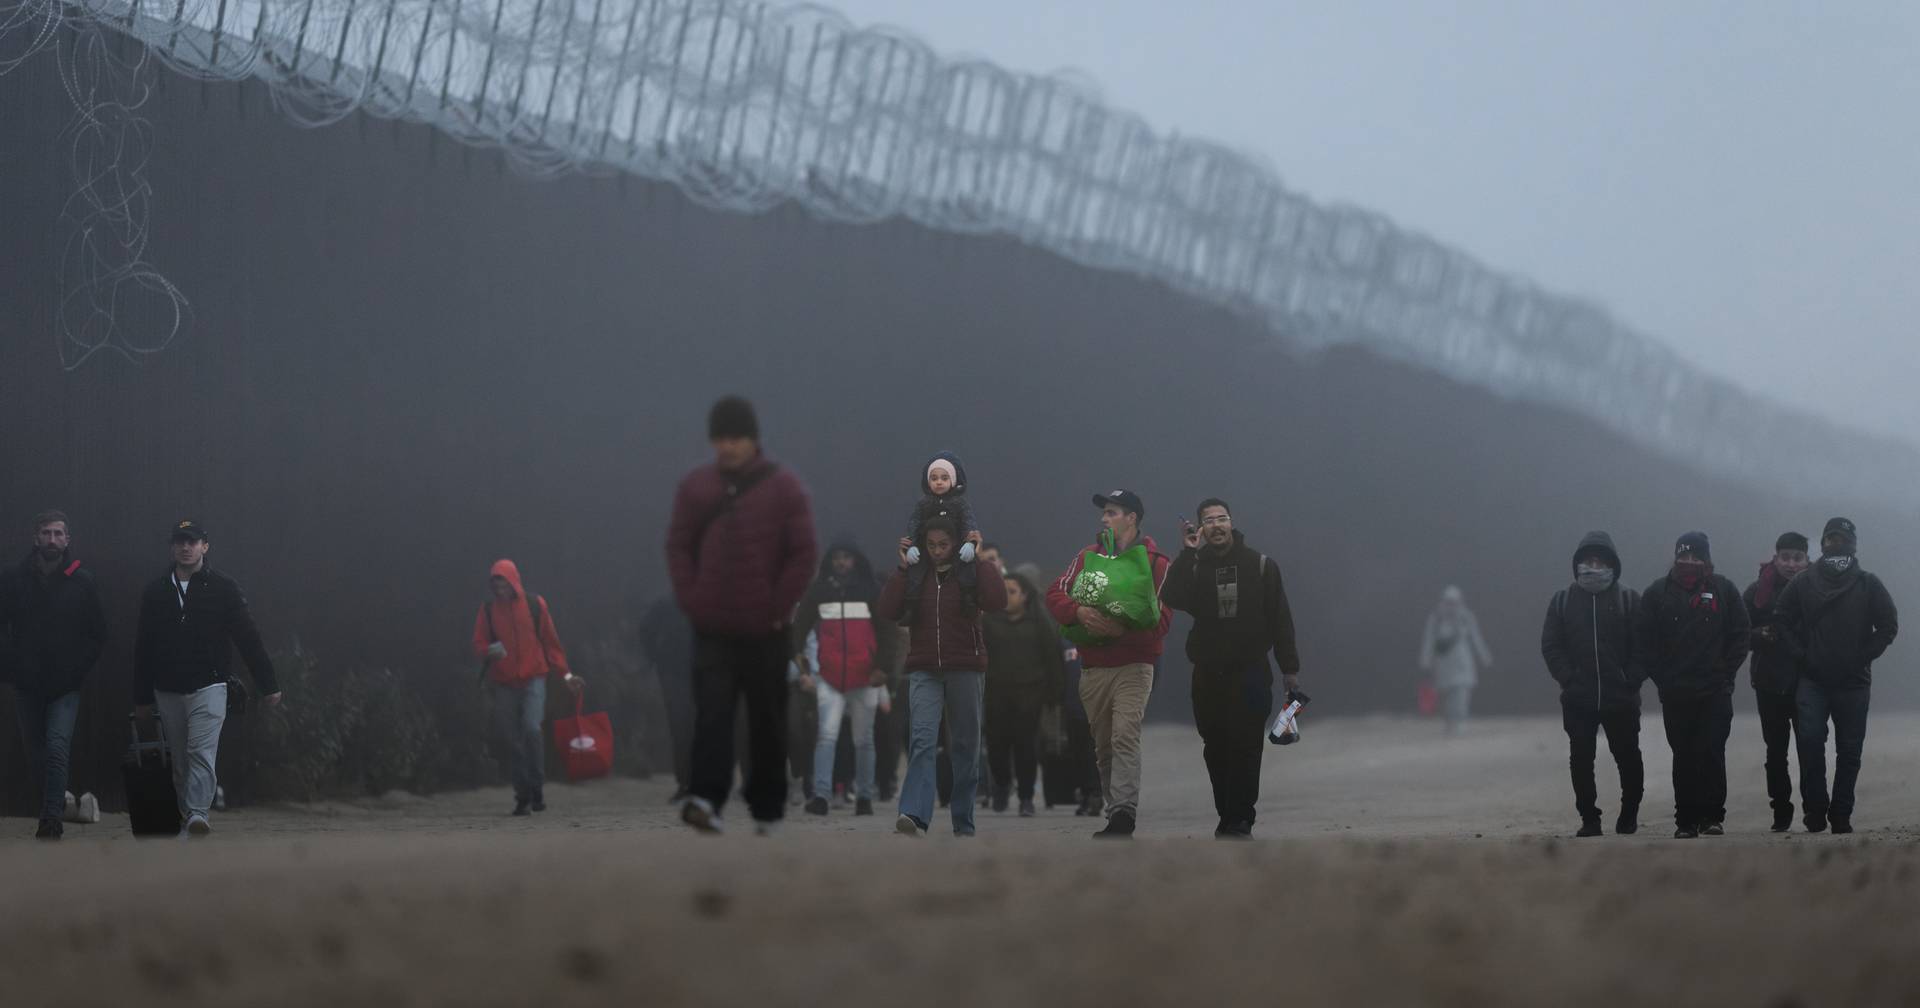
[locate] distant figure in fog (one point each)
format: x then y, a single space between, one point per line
514 636
1453 652
667 641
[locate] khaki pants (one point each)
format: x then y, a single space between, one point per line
1116 702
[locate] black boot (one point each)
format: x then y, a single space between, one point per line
1590 826
1842 824
522 807
1816 823
50 829
1783 818
1119 827
1629 822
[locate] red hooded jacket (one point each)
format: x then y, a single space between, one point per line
533 645
1135 647
740 559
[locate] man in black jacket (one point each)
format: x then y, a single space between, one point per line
1837 619
191 618
52 629
1588 644
1240 614
1690 636
1775 671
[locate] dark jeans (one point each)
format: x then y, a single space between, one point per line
1777 713
1848 710
1230 707
727 671
517 714
1013 742
46 729
1583 726
1697 730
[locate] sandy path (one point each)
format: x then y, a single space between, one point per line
1394 868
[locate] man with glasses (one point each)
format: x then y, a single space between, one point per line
1240 615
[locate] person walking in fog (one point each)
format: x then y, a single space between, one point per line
1454 653
191 620
514 637
1837 620
1116 677
740 551
1240 617
1588 646
1690 636
52 630
846 670
1024 671
1775 671
945 655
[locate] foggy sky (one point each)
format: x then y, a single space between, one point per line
1735 179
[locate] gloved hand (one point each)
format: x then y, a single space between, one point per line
496 650
966 552
913 555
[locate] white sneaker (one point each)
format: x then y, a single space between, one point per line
89 810
699 814
905 826
198 826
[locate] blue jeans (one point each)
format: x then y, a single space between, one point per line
46 726
1848 709
956 696
517 714
859 706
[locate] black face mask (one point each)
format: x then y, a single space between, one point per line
1836 564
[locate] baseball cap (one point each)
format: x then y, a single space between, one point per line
188 530
1125 500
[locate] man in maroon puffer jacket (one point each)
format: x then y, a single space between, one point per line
740 551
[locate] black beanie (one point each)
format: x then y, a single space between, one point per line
733 417
1790 541
1694 543
1842 527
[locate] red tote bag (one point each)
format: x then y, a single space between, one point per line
585 742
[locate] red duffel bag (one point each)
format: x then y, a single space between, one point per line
585 742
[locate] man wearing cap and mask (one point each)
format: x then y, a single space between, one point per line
1690 635
1775 672
1116 675
1587 642
1838 620
191 619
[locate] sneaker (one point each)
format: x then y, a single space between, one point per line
863 806
1816 824
522 807
198 826
963 831
1713 829
816 805
907 825
1684 833
1843 824
1590 827
1000 801
766 827
699 814
89 811
219 798
1629 822
1234 831
1027 810
1783 819
1119 827
50 829
539 803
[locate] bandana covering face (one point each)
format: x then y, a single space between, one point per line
1837 565
1595 578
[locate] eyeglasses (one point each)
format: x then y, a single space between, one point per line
1217 520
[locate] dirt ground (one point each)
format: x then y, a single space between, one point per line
1394 867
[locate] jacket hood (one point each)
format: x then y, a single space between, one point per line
1599 542
507 569
862 567
959 474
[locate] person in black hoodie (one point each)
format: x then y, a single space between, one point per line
1240 615
1025 666
191 619
1588 644
1775 671
52 630
1837 619
1690 636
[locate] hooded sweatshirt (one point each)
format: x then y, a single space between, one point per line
1837 623
524 626
1135 647
1587 640
841 614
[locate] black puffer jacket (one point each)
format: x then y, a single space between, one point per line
52 627
1838 625
1588 639
1691 643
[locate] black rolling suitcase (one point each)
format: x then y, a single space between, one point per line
147 772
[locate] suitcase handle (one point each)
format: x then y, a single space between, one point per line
133 727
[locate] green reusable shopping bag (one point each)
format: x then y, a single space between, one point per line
1118 584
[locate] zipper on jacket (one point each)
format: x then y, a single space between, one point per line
1598 685
939 660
